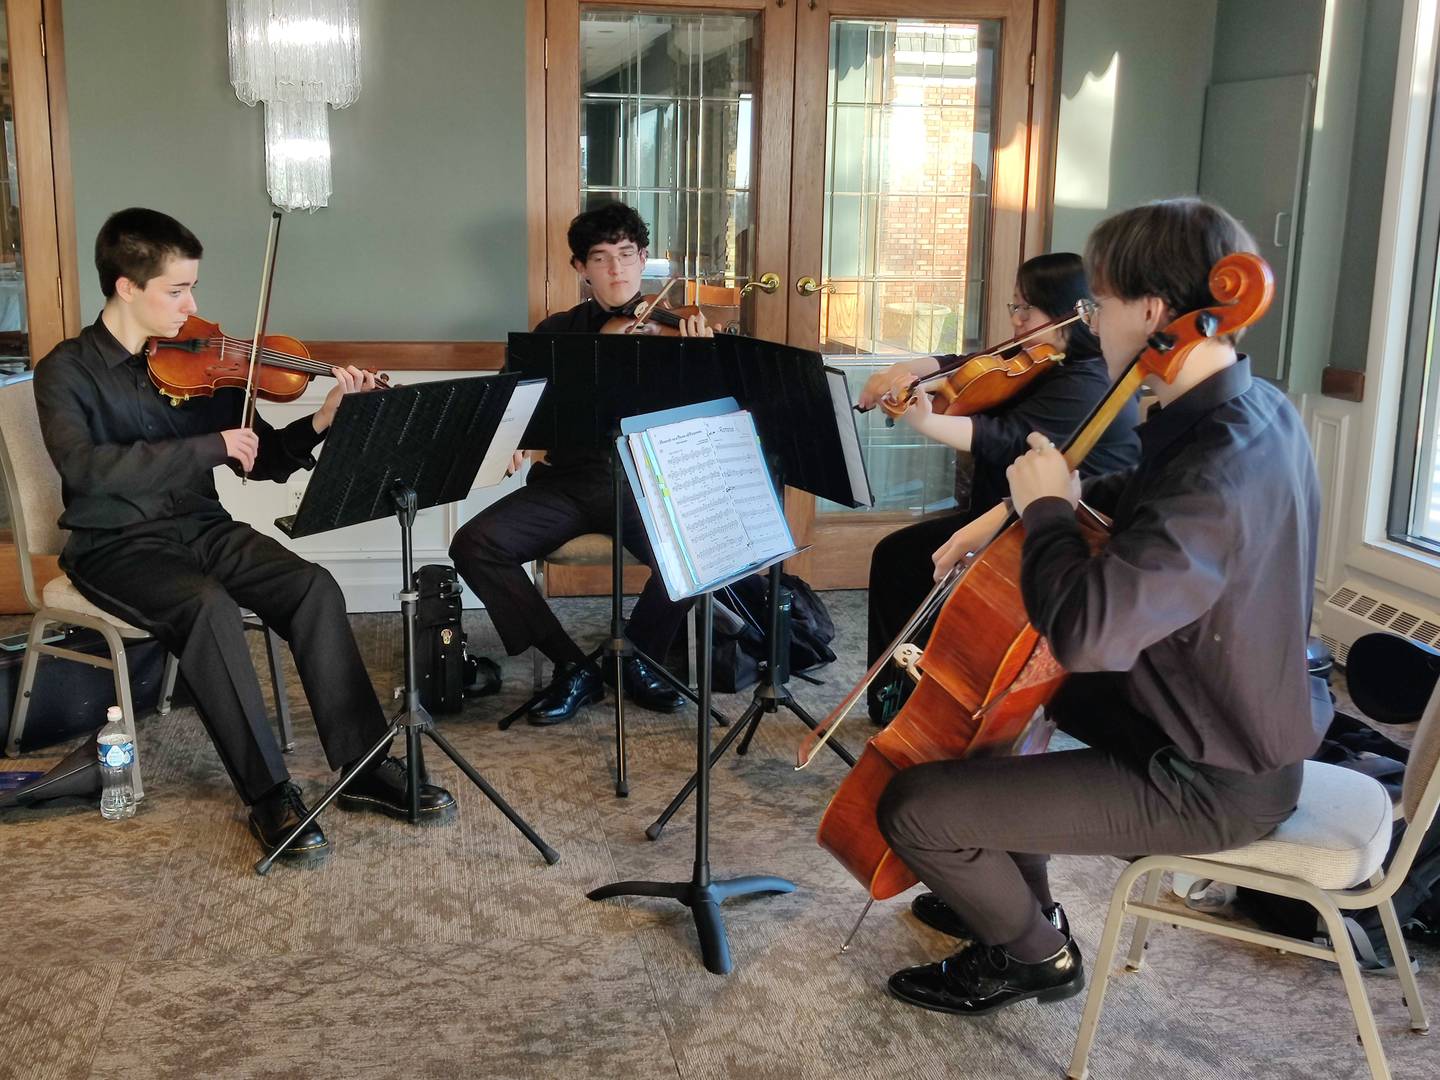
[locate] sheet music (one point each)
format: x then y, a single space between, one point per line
518 411
707 486
849 437
669 553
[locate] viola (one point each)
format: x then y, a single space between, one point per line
983 380
202 358
986 674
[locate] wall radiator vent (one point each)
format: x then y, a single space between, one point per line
1353 610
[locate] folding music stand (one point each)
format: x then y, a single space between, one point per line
700 894
800 408
399 451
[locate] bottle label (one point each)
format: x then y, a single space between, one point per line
117 755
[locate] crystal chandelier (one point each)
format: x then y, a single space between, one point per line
298 57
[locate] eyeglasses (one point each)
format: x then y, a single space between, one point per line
1089 311
626 257
1020 311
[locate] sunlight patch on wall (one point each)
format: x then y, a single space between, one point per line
1087 126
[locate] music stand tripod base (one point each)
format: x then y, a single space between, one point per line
700 894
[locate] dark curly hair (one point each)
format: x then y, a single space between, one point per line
135 244
606 224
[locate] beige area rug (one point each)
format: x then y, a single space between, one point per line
149 948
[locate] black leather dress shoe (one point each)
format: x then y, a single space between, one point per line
273 817
644 687
938 915
386 789
982 978
573 687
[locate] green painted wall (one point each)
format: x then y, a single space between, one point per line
424 237
1144 143
1267 39
1350 335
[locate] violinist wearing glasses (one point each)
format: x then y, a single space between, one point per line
569 495
151 543
1053 403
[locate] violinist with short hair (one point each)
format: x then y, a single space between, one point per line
1184 635
568 495
151 543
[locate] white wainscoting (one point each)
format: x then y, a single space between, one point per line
1329 422
365 559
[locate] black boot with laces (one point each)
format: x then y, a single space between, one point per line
276 814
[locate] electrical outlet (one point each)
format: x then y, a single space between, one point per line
297 492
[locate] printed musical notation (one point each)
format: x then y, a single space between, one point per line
711 495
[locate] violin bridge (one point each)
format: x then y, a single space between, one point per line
845 946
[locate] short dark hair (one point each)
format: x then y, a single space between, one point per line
136 243
1054 283
1166 249
609 223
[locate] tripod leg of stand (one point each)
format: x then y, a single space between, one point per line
494 796
721 720
744 746
658 825
263 866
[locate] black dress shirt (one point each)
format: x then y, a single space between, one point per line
586 317
129 459
1055 405
1203 594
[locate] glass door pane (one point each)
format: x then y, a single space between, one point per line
909 165
667 124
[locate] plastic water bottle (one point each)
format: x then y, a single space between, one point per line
117 759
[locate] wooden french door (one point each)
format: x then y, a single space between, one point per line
883 161
922 132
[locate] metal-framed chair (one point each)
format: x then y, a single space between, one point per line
1329 853
32 488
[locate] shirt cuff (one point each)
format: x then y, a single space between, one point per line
210 450
1045 513
300 439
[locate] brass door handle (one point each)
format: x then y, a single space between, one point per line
768 283
808 286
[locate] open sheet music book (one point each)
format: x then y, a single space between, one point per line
708 498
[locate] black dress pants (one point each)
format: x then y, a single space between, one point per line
492 548
979 831
901 574
184 581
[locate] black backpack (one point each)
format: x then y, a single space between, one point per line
742 619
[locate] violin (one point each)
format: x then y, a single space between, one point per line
983 380
986 674
202 358
649 314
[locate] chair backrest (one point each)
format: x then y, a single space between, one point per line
1422 771
32 485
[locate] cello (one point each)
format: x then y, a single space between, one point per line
986 673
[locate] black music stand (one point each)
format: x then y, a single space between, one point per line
702 895
800 408
399 451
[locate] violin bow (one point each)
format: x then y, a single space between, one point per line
639 322
267 275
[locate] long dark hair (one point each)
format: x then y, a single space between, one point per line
1053 283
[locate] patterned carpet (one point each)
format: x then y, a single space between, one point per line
150 949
